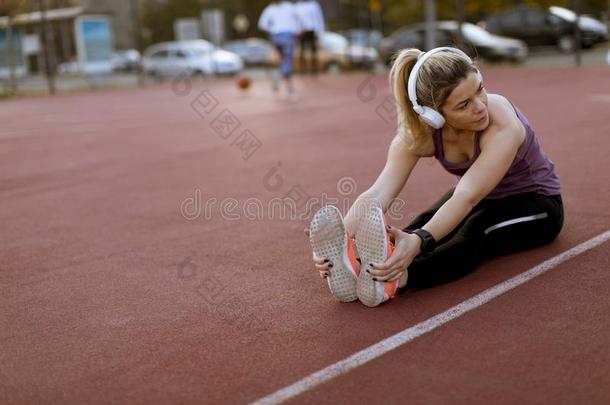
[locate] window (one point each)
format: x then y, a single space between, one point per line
180 54
201 50
160 54
555 21
535 18
512 19
410 39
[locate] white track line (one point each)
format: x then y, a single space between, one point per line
407 335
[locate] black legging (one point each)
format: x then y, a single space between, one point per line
494 227
309 40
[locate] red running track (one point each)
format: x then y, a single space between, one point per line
115 288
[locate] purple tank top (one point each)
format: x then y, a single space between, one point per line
531 171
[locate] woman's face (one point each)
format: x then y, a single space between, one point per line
466 106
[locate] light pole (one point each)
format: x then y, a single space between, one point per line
430 24
137 43
577 39
10 56
459 10
47 47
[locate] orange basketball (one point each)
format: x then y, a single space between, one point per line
244 82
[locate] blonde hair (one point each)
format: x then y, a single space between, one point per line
438 76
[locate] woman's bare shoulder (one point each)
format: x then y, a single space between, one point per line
502 117
501 110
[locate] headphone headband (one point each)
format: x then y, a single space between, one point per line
412 83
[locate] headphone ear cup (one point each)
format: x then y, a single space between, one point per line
432 118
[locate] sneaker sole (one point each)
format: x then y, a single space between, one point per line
372 245
328 239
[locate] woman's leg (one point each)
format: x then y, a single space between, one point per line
492 228
427 215
314 53
284 42
277 74
302 46
523 221
288 62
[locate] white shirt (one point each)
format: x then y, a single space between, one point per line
280 17
310 14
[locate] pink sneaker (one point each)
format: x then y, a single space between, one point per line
329 239
374 246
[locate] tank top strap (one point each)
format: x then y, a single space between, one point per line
477 144
438 144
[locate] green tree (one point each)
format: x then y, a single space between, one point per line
157 16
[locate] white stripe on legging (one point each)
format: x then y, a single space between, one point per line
516 221
379 349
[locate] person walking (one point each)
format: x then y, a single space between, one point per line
312 20
281 21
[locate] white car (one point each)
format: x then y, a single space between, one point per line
126 61
335 49
592 31
190 57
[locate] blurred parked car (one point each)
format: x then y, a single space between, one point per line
126 61
189 57
68 68
552 26
20 72
477 41
254 51
335 52
592 31
356 55
363 37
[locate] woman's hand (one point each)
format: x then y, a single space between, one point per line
322 264
406 247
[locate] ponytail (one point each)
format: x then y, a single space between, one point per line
409 124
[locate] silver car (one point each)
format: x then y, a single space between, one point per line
190 57
254 51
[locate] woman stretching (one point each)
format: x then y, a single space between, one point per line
507 197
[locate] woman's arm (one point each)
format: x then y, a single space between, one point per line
498 151
399 165
499 146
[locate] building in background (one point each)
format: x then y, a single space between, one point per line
77 34
121 13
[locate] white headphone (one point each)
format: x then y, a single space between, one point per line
429 115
